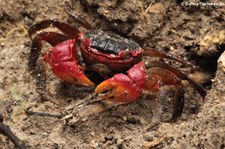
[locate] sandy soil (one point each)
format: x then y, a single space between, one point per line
197 34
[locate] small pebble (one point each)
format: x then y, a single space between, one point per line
92 133
119 143
45 134
93 144
109 137
148 137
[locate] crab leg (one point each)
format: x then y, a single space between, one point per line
179 75
36 63
156 78
154 53
63 27
159 74
50 37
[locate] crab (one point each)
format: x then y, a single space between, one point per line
112 64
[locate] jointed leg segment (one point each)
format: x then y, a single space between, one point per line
179 75
63 27
157 77
50 37
154 53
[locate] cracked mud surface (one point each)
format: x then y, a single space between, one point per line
196 34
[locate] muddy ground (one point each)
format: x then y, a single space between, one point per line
195 33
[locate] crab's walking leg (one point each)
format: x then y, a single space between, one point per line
179 75
154 53
170 76
156 78
50 37
36 62
63 27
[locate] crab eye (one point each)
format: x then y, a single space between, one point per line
128 54
125 54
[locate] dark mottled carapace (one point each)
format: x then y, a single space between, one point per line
110 43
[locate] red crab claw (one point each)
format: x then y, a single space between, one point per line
62 59
124 88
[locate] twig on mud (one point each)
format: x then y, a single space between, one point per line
154 143
8 133
28 112
145 12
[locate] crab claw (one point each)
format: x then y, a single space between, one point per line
70 72
124 88
63 61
